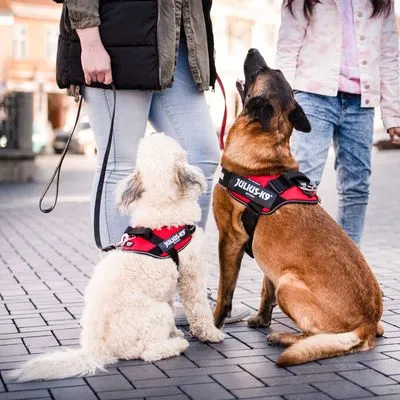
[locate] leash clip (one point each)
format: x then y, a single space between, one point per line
125 237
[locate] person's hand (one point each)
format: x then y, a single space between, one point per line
394 134
96 62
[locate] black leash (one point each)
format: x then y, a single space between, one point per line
99 192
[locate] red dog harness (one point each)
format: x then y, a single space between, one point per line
159 243
265 194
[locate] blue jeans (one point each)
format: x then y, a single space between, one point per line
180 112
342 120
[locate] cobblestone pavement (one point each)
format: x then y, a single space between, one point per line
46 262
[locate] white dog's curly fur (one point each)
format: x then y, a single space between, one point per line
128 302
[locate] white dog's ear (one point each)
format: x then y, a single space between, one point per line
190 178
129 190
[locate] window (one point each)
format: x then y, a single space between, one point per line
51 42
19 42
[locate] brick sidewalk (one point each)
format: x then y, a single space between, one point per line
46 262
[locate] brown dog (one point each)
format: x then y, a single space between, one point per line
312 269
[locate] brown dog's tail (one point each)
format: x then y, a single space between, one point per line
326 345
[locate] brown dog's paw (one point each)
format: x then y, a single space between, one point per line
257 321
273 339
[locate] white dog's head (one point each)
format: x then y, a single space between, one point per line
162 175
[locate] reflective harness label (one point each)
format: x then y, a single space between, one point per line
254 191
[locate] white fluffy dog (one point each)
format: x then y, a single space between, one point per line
128 302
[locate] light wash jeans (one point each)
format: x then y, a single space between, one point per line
342 120
180 112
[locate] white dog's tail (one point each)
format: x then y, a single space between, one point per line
61 364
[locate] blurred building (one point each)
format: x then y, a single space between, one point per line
238 26
28 37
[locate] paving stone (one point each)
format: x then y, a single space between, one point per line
392 320
73 393
25 322
387 367
107 383
237 380
387 397
272 391
169 391
142 372
356 357
265 369
12 350
26 305
8 328
56 316
174 397
175 363
300 379
366 378
314 368
46 384
31 394
40 341
308 396
148 383
203 353
229 361
206 391
387 389
346 390
67 333
203 371
249 336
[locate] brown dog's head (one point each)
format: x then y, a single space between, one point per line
268 98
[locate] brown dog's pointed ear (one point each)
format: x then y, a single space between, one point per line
299 119
129 190
260 109
189 178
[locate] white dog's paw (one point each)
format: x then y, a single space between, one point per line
208 334
177 333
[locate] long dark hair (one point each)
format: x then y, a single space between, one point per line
378 7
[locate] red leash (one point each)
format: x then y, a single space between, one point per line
223 125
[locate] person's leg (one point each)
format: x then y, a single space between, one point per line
353 147
182 113
131 115
311 149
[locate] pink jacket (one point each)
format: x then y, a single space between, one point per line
309 53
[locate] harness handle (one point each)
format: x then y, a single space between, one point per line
57 171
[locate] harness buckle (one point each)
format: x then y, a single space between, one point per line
308 189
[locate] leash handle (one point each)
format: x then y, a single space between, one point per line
99 192
224 118
57 171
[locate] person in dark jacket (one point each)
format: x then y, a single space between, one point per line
160 57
